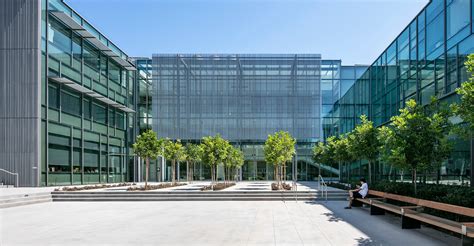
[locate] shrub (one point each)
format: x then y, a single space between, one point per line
285 186
154 187
90 187
218 186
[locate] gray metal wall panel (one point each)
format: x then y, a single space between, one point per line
20 90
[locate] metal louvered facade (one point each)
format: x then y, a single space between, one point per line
20 88
241 97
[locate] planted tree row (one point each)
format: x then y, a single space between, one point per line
212 151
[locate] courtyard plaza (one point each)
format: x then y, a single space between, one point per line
207 223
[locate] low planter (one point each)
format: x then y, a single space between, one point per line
218 186
90 187
284 186
154 187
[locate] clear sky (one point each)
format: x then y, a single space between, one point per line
356 31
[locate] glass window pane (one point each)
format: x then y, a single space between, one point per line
53 97
434 34
100 114
70 103
458 15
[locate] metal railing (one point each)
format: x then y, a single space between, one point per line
324 190
14 174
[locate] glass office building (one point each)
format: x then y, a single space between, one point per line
72 102
425 60
245 98
67 101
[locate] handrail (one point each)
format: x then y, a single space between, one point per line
324 191
14 174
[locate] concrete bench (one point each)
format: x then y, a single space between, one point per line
412 216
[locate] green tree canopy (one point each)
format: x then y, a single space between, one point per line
193 155
465 108
365 143
174 151
147 146
215 151
278 149
235 160
417 139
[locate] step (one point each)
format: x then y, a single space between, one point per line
156 199
20 199
125 199
24 195
25 202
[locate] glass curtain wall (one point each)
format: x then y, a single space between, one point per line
427 59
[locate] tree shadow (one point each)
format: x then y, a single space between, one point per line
365 241
332 217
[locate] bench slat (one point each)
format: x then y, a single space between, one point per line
386 206
425 203
436 221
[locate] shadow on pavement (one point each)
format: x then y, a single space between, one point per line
383 229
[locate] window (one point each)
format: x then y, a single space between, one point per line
100 113
53 97
434 8
111 118
87 108
434 34
457 16
120 120
70 103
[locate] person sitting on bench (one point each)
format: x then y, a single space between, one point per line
360 192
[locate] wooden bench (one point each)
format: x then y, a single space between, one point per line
412 216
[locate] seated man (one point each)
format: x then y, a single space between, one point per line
360 192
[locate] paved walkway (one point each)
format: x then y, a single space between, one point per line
205 223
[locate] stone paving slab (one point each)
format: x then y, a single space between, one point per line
205 223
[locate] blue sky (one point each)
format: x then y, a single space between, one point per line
356 31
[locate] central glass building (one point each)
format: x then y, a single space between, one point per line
244 98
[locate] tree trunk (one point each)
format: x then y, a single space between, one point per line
472 160
275 173
414 180
340 171
187 171
390 173
370 172
147 167
279 176
173 172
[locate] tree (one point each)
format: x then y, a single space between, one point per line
214 152
465 108
387 150
193 155
278 149
319 154
418 141
365 143
147 146
174 151
342 152
235 160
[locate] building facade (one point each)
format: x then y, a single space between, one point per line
244 98
425 60
67 98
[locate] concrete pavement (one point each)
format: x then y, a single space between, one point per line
205 223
